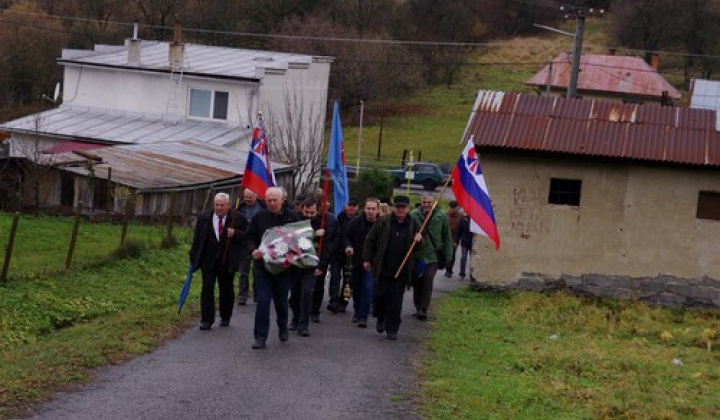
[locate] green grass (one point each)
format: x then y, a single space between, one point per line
435 120
54 330
537 356
42 243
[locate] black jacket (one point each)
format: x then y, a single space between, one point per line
378 243
330 241
206 251
342 222
355 234
464 234
266 220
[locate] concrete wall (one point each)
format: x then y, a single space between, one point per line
633 221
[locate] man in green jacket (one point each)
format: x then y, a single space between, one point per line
436 251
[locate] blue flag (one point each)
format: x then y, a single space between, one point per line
336 163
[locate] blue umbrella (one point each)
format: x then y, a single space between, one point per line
185 289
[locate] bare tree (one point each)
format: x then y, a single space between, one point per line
35 169
295 136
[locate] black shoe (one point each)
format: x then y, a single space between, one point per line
242 300
417 313
391 335
225 323
304 332
362 323
341 309
204 326
380 326
258 344
448 275
422 316
332 308
283 335
315 318
293 326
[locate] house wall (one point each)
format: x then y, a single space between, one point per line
632 221
147 92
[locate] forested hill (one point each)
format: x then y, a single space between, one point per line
383 48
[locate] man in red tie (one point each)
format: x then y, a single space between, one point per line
216 249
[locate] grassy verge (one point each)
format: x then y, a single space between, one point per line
52 331
42 243
535 356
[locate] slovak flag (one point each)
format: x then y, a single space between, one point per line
472 194
258 175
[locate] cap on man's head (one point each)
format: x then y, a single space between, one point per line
453 204
401 200
353 201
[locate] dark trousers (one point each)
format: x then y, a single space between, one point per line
423 287
389 299
318 293
244 275
269 287
301 297
207 295
450 264
334 288
463 259
363 285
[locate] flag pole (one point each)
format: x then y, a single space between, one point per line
232 223
323 210
422 228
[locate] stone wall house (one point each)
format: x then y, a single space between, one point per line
600 197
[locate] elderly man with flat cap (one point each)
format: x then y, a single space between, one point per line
386 245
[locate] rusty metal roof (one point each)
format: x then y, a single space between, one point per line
673 135
606 73
165 165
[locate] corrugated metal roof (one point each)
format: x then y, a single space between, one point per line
607 73
199 59
124 127
597 128
165 165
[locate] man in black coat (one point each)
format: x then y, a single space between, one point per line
362 281
250 206
386 245
336 303
270 287
216 250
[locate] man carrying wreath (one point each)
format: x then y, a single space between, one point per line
269 287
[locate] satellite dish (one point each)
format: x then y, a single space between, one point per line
57 92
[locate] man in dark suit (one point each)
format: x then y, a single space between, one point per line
216 250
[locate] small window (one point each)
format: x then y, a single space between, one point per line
208 104
565 191
708 206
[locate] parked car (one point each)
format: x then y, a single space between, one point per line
427 174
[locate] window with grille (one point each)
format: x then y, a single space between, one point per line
565 191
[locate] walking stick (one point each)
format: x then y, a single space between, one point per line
422 228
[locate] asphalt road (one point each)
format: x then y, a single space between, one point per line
418 190
339 372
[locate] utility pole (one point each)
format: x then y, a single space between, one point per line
577 54
357 162
578 13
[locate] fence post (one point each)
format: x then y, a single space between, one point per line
73 238
129 204
108 195
8 251
169 240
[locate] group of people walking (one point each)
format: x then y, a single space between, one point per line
380 256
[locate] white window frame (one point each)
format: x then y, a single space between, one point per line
211 111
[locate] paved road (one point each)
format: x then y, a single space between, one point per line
339 372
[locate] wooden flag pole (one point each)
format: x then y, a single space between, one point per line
422 228
232 224
324 210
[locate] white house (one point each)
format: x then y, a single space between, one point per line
147 92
